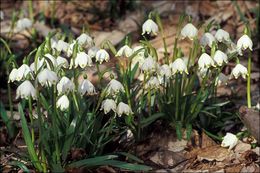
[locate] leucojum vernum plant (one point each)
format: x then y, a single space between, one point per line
66 110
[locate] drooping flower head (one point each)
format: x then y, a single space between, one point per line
26 90
63 103
123 108
125 51
222 36
82 59
205 61
179 66
102 55
189 31
85 39
150 27
86 86
149 65
108 105
207 39
114 87
220 57
65 85
239 70
244 42
47 77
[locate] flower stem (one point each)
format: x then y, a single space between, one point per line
31 117
249 80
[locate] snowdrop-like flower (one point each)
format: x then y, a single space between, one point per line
239 70
179 66
165 70
207 39
92 51
222 36
63 103
101 56
85 39
52 59
86 86
114 87
244 42
23 24
123 108
108 105
47 77
125 51
62 62
70 48
189 31
65 85
22 72
153 83
149 65
220 57
13 75
221 79
205 61
26 90
150 26
82 59
62 46
54 43
40 63
230 140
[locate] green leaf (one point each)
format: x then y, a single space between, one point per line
28 141
20 165
7 121
178 130
127 166
151 119
188 131
130 156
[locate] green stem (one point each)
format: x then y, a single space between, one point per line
249 80
31 118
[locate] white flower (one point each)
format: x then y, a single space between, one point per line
244 42
62 46
125 51
62 62
40 63
82 59
23 24
123 108
85 39
230 140
239 70
222 35
54 43
205 61
63 103
13 75
150 26
22 72
165 70
101 56
1 15
65 85
139 57
153 83
221 79
220 57
26 90
108 105
47 77
52 59
114 87
92 51
149 65
179 66
189 31
70 48
86 86
207 39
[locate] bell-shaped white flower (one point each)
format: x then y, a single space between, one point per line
114 87
13 75
205 61
102 55
40 63
179 66
63 103
108 105
26 90
153 83
149 65
125 51
86 86
207 39
239 70
189 31
85 39
65 85
70 48
47 77
82 59
221 79
52 59
23 24
150 26
222 36
123 108
230 140
244 42
62 46
220 57
62 62
22 72
165 71
92 51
